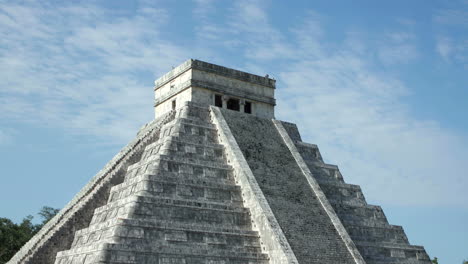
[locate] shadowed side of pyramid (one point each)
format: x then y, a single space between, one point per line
296 202
215 179
59 232
178 204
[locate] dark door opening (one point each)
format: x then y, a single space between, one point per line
173 105
248 107
233 104
218 100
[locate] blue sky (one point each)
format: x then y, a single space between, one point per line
380 86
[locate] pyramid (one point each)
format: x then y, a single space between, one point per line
215 179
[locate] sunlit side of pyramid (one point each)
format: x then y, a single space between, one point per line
215 179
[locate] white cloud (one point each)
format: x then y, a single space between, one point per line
398 47
84 74
452 17
444 47
453 48
356 115
203 8
353 111
5 137
261 41
453 51
79 68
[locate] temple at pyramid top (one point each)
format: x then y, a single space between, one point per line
215 179
209 84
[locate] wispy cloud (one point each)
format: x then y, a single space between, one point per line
452 17
5 137
398 47
80 68
451 43
444 47
357 116
355 112
91 74
453 51
262 41
203 8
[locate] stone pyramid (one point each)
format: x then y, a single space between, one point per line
215 179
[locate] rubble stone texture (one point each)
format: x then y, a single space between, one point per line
215 179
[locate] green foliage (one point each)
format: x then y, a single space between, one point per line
435 260
14 236
47 213
465 262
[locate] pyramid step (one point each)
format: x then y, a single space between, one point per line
338 192
390 234
398 261
171 164
391 252
234 253
147 155
184 166
361 221
323 172
171 237
172 176
196 122
154 144
194 111
196 139
207 144
355 214
309 152
194 193
154 200
215 163
196 128
169 225
117 253
196 190
188 203
188 178
129 233
184 149
147 207
346 201
205 182
154 149
192 150
106 229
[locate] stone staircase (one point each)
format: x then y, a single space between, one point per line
178 204
377 240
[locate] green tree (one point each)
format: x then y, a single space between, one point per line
47 213
14 236
435 260
465 262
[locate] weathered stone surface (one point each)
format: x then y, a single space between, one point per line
376 239
305 223
206 185
177 204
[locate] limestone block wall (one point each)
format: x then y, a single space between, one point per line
198 81
179 94
303 219
377 241
165 88
238 85
58 233
178 204
273 240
